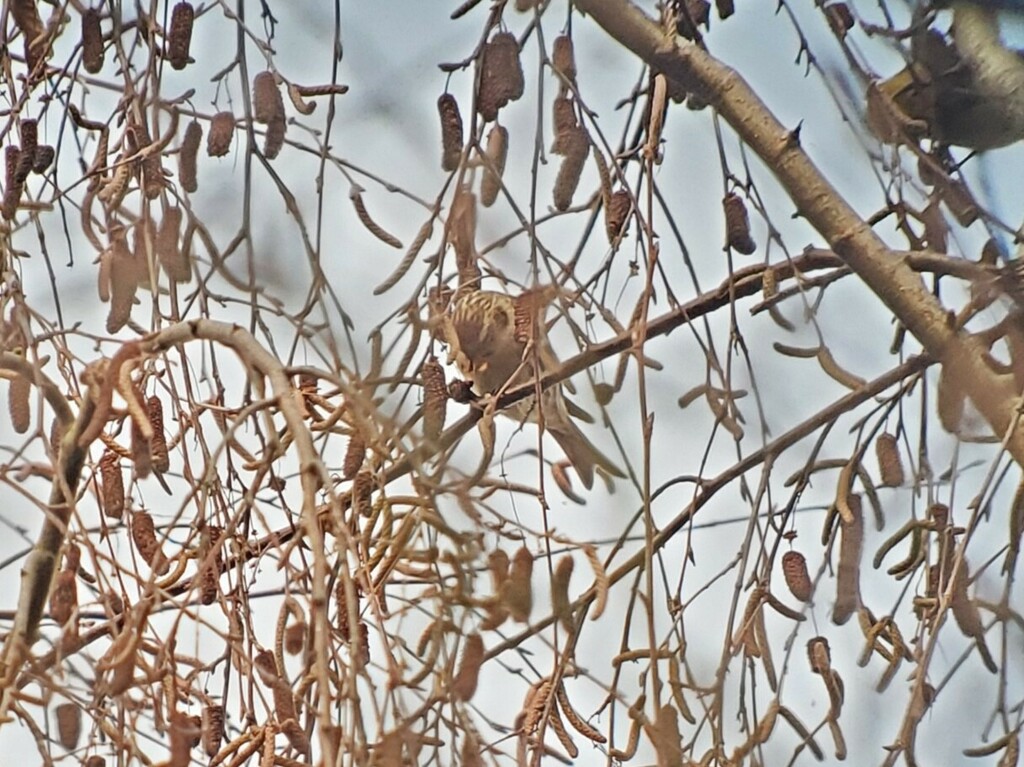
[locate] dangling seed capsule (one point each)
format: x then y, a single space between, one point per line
497 153
794 570
92 42
180 38
737 225
451 131
187 165
222 129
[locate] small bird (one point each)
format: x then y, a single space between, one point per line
492 338
967 91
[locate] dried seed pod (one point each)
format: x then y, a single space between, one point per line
501 78
173 260
563 122
435 399
69 724
737 225
356 195
213 728
794 570
517 591
576 151
144 537
819 654
563 59
187 157
92 41
451 131
158 444
222 130
890 465
43 158
179 39
616 215
497 152
112 485
18 403
273 141
267 102
465 682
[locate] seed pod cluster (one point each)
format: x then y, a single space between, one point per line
497 153
794 570
737 225
187 157
577 147
92 41
501 76
179 39
112 484
451 131
435 399
222 130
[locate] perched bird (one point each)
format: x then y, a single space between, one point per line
494 340
967 91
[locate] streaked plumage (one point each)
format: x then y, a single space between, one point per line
492 349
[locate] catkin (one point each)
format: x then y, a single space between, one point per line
890 466
180 37
564 123
213 727
112 484
616 215
355 454
517 591
173 260
144 537
69 724
737 225
435 399
187 157
465 682
451 131
158 444
123 284
18 403
576 151
273 141
501 78
563 59
267 102
92 42
794 569
497 153
43 158
222 130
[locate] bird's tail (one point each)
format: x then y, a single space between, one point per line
580 451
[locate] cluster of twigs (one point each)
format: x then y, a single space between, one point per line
252 537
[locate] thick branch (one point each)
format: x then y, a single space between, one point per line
887 275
